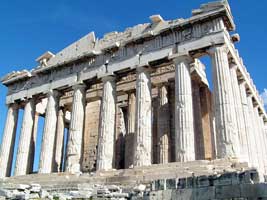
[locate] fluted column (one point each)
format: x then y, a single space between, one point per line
8 141
74 147
129 139
33 142
59 148
49 133
26 136
264 142
259 138
227 139
105 154
239 115
257 155
253 161
184 117
143 133
163 125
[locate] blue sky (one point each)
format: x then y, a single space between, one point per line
29 28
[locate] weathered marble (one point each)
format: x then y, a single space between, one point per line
184 119
49 134
33 145
105 154
25 139
74 146
253 161
8 141
239 115
59 147
143 126
163 125
227 139
130 135
256 144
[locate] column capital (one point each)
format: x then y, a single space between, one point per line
213 49
110 78
183 58
79 86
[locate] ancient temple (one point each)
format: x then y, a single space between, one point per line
138 98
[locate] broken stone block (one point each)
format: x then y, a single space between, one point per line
139 188
23 187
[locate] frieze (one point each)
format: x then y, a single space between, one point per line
98 64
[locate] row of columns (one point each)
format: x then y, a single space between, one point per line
233 110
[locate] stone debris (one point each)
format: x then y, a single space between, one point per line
242 185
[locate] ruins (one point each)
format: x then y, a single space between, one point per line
139 99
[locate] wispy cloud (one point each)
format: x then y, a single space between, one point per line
264 97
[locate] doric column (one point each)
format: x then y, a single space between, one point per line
105 152
198 129
33 142
264 142
143 134
253 161
129 139
74 146
259 138
26 136
59 148
225 119
239 115
49 133
184 117
8 141
163 125
257 154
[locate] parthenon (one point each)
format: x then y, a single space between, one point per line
138 98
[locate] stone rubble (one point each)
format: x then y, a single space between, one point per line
229 185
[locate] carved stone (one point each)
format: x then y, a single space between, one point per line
239 115
129 138
227 139
184 119
59 148
49 134
143 126
163 125
8 141
105 153
25 140
74 146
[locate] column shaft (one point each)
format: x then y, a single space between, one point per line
143 134
253 161
199 135
184 118
163 125
225 119
74 149
105 153
129 139
49 133
33 142
26 136
239 115
59 148
257 154
8 141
